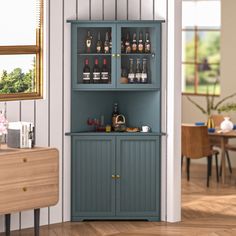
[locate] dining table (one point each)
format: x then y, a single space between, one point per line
222 138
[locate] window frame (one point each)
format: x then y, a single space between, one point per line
37 50
195 29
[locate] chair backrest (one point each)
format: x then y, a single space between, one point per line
195 141
217 120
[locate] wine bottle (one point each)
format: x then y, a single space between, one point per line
138 73
99 44
127 44
115 113
106 43
140 43
88 42
104 73
86 72
96 72
134 44
110 44
131 77
144 76
147 47
122 46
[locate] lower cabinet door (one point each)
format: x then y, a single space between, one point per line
93 188
138 182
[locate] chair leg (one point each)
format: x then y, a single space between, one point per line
188 168
217 169
229 162
210 167
209 161
8 224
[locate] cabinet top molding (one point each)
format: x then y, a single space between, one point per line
114 21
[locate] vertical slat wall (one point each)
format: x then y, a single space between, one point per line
69 13
56 92
52 114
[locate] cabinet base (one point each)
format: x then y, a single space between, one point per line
81 218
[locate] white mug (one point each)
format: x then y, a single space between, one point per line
146 128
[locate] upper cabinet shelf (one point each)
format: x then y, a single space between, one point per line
116 55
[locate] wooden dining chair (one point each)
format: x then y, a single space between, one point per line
196 145
217 119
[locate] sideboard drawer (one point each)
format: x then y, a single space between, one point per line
28 180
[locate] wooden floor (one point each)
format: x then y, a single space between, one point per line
205 212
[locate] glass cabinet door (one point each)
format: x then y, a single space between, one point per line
138 55
93 66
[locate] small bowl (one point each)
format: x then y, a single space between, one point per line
199 123
211 130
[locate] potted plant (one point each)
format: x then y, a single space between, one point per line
212 106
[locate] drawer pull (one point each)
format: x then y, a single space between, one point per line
24 189
24 159
117 176
113 176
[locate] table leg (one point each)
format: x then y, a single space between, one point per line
36 221
222 146
8 224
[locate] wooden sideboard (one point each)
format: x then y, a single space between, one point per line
29 179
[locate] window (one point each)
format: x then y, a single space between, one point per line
21 49
201 47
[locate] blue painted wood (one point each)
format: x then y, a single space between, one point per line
113 21
116 60
79 32
97 156
114 134
93 189
154 65
139 107
138 164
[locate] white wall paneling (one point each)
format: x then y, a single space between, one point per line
56 92
160 9
147 9
13 114
110 9
2 107
122 11
83 9
173 176
134 9
42 105
69 13
97 10
52 114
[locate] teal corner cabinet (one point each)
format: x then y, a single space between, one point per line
115 175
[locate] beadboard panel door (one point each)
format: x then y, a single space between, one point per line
93 165
138 165
52 114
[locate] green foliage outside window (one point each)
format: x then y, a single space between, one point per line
17 82
202 61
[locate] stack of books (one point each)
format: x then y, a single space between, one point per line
20 135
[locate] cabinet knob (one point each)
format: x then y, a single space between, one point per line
118 55
113 55
24 189
24 159
118 176
113 176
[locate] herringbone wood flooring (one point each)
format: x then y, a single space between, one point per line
205 212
